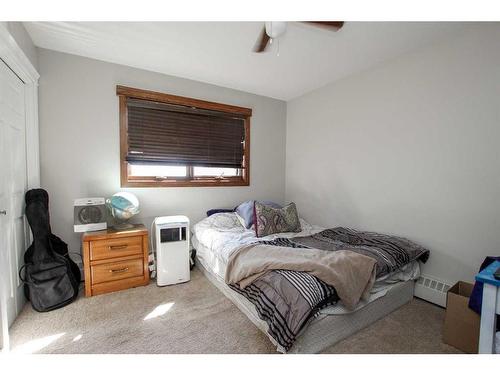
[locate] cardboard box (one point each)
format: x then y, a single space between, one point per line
461 324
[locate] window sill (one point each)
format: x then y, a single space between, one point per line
199 182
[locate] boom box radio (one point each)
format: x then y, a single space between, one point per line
90 214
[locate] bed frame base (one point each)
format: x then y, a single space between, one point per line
325 330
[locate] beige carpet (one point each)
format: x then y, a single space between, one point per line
196 318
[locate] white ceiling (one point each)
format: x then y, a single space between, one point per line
220 53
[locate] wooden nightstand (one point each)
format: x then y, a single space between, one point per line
115 260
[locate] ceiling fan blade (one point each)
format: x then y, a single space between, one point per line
331 25
262 42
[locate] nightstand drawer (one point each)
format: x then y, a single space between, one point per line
103 273
115 259
115 247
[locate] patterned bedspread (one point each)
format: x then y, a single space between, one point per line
390 252
287 300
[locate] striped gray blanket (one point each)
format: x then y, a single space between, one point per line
287 300
390 252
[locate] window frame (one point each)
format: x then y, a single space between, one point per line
126 180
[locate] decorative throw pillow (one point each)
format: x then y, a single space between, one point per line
246 212
270 220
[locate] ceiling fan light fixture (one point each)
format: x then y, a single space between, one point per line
275 29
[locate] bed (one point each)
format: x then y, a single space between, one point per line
218 236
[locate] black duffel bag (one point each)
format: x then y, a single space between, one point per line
51 278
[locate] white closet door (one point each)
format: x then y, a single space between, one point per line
13 185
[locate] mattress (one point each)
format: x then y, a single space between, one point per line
216 237
324 330
214 262
333 323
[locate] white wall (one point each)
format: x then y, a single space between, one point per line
79 140
410 147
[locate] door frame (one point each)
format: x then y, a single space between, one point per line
12 54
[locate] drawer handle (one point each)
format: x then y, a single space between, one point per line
120 270
118 247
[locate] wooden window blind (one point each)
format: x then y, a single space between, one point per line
177 135
168 130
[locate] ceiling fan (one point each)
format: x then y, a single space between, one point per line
273 30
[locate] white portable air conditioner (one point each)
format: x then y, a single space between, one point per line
171 244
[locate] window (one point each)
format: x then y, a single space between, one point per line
168 140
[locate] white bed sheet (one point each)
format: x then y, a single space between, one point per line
223 233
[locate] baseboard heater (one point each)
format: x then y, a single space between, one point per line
432 289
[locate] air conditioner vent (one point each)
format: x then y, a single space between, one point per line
432 289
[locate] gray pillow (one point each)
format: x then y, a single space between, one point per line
269 220
245 211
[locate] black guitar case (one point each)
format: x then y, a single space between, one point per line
51 278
